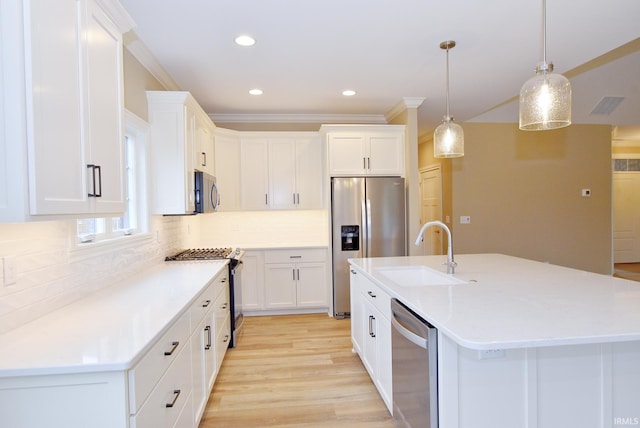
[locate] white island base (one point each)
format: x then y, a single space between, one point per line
573 386
521 344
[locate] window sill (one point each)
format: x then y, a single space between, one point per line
81 251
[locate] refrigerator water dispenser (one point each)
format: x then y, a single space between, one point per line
350 238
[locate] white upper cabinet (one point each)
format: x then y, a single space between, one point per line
227 168
365 149
180 131
66 108
281 171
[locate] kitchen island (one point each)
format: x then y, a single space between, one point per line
521 343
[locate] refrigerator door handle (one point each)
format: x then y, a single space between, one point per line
363 233
368 226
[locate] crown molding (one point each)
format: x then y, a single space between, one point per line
140 51
402 105
298 118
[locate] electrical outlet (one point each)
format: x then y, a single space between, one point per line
465 219
9 271
488 354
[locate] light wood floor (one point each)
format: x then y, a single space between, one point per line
627 271
292 371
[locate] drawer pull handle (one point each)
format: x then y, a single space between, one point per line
295 257
224 305
370 293
176 394
226 338
208 345
206 303
175 345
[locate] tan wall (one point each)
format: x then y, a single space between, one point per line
523 193
137 80
425 159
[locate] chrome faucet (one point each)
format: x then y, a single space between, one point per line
451 264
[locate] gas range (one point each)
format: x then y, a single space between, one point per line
235 288
206 254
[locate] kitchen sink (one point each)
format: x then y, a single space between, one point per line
417 276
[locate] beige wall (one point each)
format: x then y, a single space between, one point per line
523 193
137 80
425 159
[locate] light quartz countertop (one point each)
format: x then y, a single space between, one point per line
112 328
509 302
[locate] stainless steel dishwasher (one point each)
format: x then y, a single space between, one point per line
415 369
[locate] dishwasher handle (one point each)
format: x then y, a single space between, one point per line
408 334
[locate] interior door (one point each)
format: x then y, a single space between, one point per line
626 217
431 208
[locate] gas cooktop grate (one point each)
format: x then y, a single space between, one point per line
201 254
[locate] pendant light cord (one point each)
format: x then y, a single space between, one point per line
448 114
544 33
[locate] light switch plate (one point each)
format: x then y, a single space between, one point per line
465 219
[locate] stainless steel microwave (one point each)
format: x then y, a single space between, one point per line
207 196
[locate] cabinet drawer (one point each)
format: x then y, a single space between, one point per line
295 256
222 340
221 308
201 306
168 398
374 294
145 375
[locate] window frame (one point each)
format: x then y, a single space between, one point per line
138 130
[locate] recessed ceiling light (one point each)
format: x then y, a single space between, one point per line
255 91
348 93
245 40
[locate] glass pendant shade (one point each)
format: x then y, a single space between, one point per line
545 102
448 140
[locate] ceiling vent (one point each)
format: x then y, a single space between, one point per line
607 105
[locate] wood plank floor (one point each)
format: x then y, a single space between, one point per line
293 371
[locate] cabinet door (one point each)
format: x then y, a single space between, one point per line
254 182
309 173
386 155
57 156
312 285
205 156
252 281
383 360
202 362
227 168
279 286
347 155
371 328
282 173
105 114
357 313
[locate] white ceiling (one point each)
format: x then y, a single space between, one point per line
308 52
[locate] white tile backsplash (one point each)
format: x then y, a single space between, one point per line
259 229
52 272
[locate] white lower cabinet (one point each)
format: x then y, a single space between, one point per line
371 332
295 279
285 281
167 387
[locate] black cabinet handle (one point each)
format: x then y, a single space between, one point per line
370 293
207 330
206 303
175 345
176 394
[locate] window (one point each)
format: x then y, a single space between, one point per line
134 220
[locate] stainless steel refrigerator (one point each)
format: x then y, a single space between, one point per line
368 220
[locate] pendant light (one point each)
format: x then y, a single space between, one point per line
545 99
448 138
